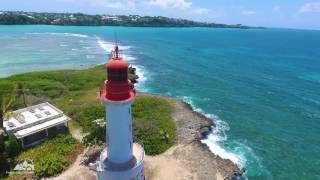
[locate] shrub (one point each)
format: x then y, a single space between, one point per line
96 136
50 157
12 147
4 164
153 125
50 165
87 115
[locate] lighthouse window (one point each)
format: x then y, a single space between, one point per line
118 74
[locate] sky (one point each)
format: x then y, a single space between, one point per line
300 14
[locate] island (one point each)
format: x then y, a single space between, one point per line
80 19
169 129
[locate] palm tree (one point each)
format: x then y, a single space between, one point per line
7 97
21 92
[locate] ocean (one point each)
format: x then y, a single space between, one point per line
261 85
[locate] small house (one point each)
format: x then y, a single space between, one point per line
34 124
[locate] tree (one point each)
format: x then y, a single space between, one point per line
21 93
7 97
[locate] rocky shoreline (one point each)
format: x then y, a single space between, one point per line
196 157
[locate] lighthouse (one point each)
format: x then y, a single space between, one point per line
122 159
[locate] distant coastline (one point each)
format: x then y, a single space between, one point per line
79 19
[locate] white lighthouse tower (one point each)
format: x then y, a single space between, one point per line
121 159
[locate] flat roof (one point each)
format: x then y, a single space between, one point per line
33 119
39 127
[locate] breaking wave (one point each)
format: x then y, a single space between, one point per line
60 34
217 136
239 152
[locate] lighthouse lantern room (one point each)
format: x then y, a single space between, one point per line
121 159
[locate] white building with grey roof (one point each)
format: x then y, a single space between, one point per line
33 124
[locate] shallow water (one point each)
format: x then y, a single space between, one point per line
262 86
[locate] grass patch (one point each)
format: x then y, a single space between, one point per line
56 83
53 156
153 125
67 89
87 115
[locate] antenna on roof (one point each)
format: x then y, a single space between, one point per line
116 38
116 49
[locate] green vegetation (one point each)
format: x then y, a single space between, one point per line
153 125
12 147
79 19
57 84
86 115
7 97
76 92
53 156
97 136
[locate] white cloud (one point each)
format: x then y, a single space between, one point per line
201 10
176 4
248 12
112 4
122 5
310 7
115 5
133 5
276 8
180 4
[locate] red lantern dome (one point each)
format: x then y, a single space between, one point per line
118 87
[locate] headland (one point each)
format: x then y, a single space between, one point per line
169 129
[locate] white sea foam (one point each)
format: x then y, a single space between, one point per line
88 47
76 35
213 142
108 47
61 34
88 56
128 57
141 72
217 136
124 47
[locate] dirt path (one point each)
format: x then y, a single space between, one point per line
76 172
171 166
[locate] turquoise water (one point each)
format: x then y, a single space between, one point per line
262 86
